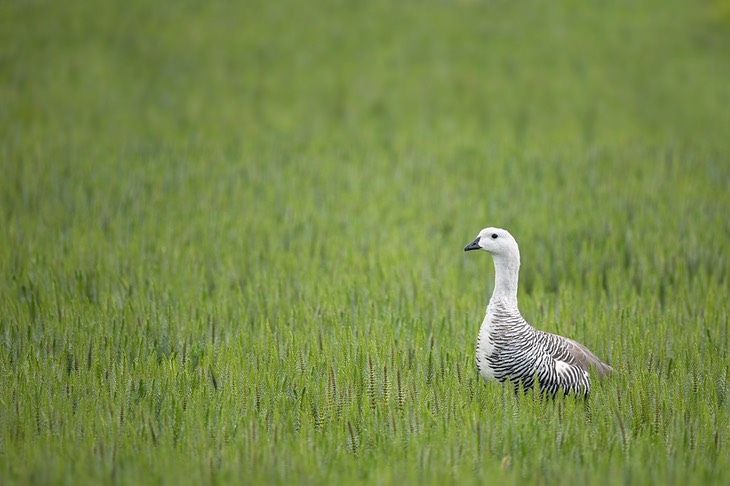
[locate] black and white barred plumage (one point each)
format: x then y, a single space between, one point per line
508 348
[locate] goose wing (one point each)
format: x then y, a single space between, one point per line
585 358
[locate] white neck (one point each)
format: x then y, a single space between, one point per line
506 276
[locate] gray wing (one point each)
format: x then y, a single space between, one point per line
585 358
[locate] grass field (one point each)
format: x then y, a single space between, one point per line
231 239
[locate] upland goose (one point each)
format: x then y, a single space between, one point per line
508 348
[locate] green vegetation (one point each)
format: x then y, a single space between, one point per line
231 239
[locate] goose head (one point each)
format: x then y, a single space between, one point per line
497 241
506 255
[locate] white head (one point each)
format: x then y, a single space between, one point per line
506 254
496 241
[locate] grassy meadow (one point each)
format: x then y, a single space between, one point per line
231 239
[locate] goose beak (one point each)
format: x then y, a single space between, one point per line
474 245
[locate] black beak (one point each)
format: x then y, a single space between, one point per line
474 245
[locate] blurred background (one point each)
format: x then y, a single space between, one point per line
346 72
265 125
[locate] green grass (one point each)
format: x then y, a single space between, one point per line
231 239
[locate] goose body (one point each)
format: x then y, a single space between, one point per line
510 348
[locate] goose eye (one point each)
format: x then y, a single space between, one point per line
494 236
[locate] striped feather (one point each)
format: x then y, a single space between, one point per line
520 353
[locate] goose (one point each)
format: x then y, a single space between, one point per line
508 348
